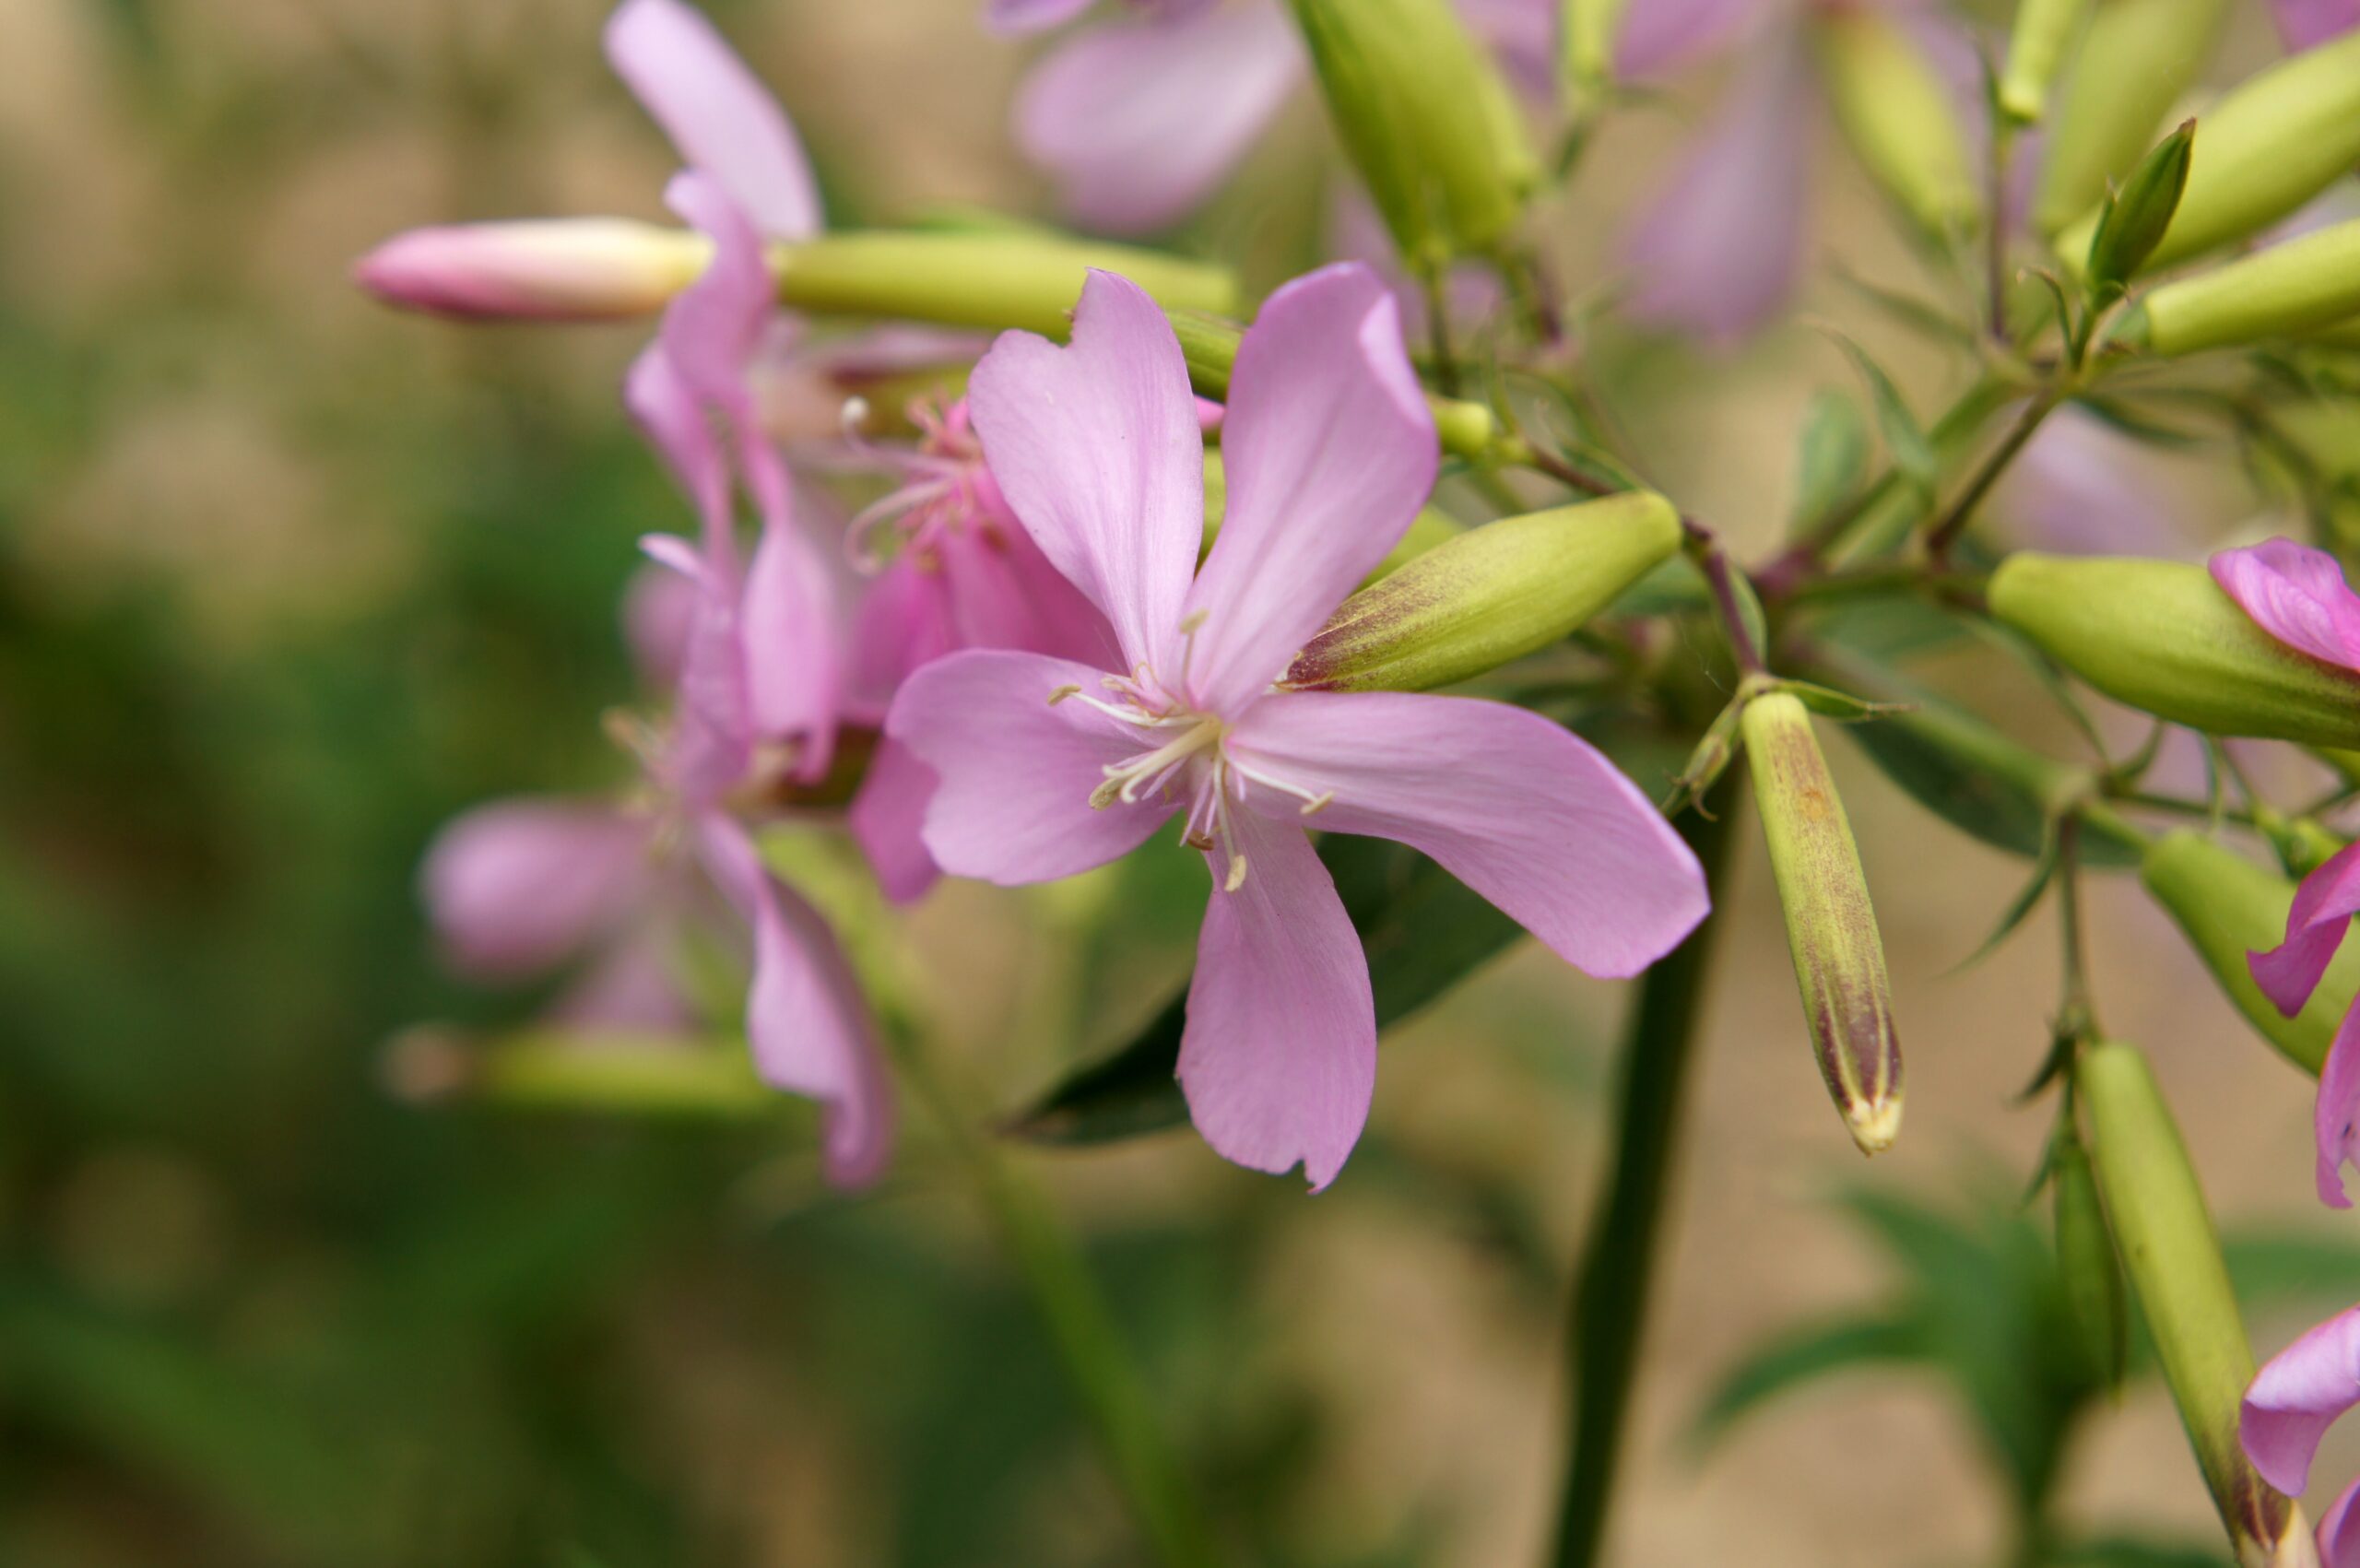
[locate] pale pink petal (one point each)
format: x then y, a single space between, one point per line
1004 594
787 622
2084 485
2306 24
2339 1531
1017 774
667 414
630 989
1663 35
888 821
1523 812
519 886
720 117
1138 120
712 730
1278 1058
713 330
1096 448
905 620
1719 252
1331 451
659 610
805 1019
2297 595
2316 923
1030 16
2338 1109
2296 1397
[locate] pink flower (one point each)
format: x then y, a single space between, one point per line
2297 595
2306 24
2293 1401
1051 766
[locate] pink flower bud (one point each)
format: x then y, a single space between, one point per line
551 269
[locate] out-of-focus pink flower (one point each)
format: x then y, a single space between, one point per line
2339 1532
2298 596
2292 1402
520 886
2304 24
1051 766
2082 485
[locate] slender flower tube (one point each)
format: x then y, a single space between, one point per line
1831 926
1899 116
2045 33
1051 766
2139 58
2297 286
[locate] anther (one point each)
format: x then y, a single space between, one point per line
1062 692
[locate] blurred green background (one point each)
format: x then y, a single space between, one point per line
286 581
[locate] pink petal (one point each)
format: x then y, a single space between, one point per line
659 609
2306 24
1330 452
2339 1531
1014 16
2296 1397
805 1019
1278 1059
1139 121
1719 252
668 415
717 112
1662 35
519 886
712 730
2297 595
2084 485
2316 923
888 821
1096 448
2337 1109
629 990
905 622
787 622
713 329
1004 594
1013 805
1528 815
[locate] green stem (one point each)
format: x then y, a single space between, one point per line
1082 1329
1617 1264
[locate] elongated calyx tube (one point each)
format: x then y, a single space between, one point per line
2162 636
1897 113
1428 121
2138 59
2281 137
2289 290
2164 1235
1831 927
2227 907
600 268
2045 33
1492 594
1590 30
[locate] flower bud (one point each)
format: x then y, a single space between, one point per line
2164 1235
2132 221
2137 60
1898 114
1491 595
2281 138
552 269
604 268
1433 129
2085 1262
2228 907
2044 29
2288 289
2162 636
1590 29
1830 928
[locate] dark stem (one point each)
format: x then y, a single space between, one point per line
1953 522
1438 331
1704 548
1618 1262
1995 259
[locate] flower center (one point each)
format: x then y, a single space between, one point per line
1183 749
946 489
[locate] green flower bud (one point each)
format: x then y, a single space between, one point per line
1898 115
2164 1235
2086 1264
2162 636
983 279
2139 58
2299 286
1433 129
1590 29
2281 138
2227 906
1831 927
2131 223
1491 595
2045 30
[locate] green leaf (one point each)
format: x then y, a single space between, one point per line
1423 932
1904 437
2027 898
1804 1356
1834 458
